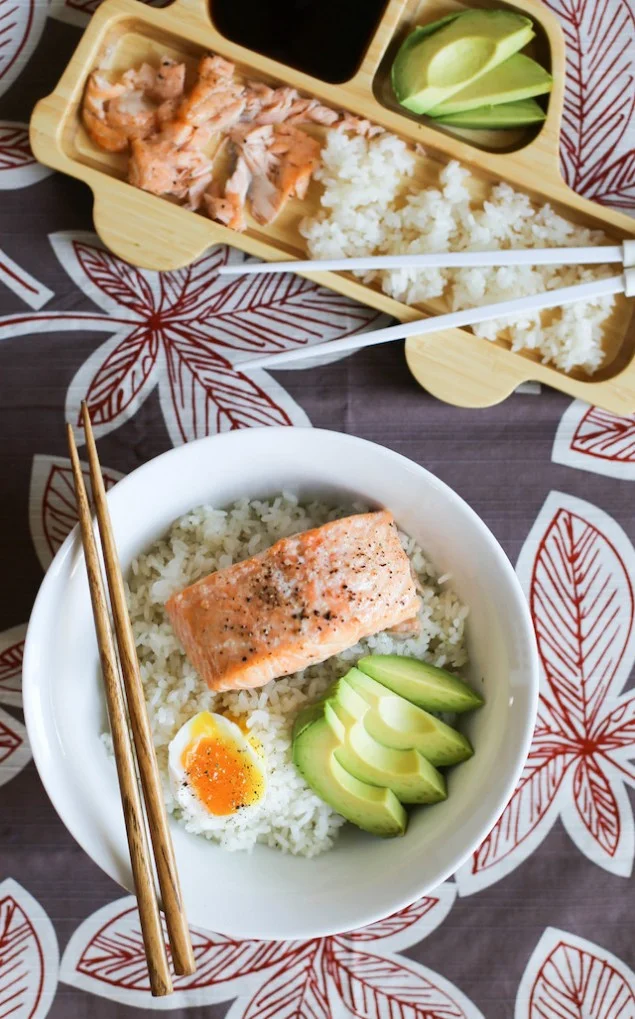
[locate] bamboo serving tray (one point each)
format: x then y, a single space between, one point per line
154 233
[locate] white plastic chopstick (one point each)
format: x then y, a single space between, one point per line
623 253
622 284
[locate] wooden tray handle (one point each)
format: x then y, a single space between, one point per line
127 223
463 369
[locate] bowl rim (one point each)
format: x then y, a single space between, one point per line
524 635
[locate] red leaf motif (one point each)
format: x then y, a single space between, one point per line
9 742
124 374
272 313
21 22
581 600
599 97
570 978
606 436
371 986
617 184
208 395
14 749
394 924
15 150
52 511
177 327
11 652
575 565
292 991
16 278
547 764
28 955
617 729
184 291
115 956
596 804
18 167
122 283
595 440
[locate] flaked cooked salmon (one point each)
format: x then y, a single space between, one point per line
167 130
306 598
114 114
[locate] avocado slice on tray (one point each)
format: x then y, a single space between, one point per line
440 59
503 117
517 78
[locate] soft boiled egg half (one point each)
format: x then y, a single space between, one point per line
216 769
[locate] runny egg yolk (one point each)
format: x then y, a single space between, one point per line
221 773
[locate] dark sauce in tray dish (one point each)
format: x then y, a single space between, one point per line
324 38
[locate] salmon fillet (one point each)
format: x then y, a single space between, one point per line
306 598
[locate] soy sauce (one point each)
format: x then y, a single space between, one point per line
324 38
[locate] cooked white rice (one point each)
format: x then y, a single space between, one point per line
290 817
370 205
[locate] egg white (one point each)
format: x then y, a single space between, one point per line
207 724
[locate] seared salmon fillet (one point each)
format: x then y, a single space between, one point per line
304 599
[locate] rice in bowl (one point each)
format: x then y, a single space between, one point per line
290 817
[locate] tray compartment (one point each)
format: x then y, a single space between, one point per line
300 33
422 12
155 233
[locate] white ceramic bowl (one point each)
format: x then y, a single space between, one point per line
267 894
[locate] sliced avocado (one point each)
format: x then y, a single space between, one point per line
517 78
375 810
435 65
407 772
501 118
397 723
423 684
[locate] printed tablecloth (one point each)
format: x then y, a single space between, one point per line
539 923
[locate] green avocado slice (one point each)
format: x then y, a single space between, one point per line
423 684
431 66
517 78
375 810
503 117
407 772
397 723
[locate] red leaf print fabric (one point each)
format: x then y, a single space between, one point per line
592 439
105 956
409 925
576 566
21 24
11 653
22 283
52 514
293 991
14 749
186 331
569 977
596 147
370 986
18 167
273 980
29 956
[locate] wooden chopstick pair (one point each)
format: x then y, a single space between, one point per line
139 724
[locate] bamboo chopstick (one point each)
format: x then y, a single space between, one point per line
178 932
152 932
